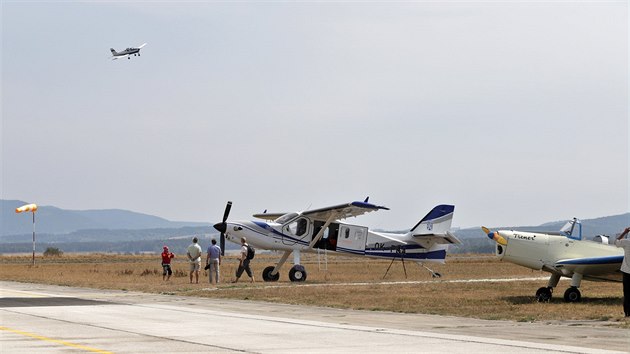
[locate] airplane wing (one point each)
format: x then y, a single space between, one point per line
591 266
268 216
140 47
343 211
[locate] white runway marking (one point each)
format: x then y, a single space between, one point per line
411 282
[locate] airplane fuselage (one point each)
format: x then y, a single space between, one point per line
338 237
560 255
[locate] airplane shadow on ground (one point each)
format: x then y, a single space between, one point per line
559 299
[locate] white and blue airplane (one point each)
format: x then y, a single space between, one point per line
127 52
320 229
563 254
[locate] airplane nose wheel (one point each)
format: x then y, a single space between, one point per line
544 294
572 295
267 274
297 273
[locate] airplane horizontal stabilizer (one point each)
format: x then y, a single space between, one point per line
445 239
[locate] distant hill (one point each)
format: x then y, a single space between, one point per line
123 231
53 220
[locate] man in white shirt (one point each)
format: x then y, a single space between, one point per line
194 256
244 262
625 269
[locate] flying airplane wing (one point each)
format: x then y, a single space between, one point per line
140 47
343 211
592 266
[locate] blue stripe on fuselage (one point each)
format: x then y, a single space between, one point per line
594 260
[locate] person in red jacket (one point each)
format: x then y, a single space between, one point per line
166 264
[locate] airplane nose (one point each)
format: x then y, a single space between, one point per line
495 236
220 226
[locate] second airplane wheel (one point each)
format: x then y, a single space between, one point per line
572 295
297 273
267 274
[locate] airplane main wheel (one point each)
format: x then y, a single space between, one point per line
543 294
572 295
297 273
267 274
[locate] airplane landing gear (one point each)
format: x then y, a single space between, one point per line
572 295
544 294
267 274
297 273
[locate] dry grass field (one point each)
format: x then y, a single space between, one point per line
354 283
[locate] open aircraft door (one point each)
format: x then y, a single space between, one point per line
352 238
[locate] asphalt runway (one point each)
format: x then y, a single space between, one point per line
38 318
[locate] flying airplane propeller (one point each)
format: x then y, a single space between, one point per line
222 226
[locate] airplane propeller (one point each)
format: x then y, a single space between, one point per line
222 226
494 236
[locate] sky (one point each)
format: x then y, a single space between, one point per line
516 112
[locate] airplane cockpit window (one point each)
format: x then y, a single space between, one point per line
297 227
285 218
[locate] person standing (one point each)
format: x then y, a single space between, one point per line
194 256
625 269
213 261
244 261
166 263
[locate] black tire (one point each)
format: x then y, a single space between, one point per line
267 274
572 294
544 294
297 273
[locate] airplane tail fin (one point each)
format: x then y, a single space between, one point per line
435 226
113 51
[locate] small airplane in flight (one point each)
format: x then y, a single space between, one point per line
563 254
320 229
127 52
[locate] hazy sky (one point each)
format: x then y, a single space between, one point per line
516 112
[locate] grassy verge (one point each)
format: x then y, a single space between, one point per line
353 283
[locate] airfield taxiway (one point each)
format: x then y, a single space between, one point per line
52 319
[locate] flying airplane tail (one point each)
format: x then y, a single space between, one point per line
113 51
435 226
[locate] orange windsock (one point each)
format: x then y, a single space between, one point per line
26 208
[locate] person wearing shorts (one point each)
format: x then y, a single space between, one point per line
194 257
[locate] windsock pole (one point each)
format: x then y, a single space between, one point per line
32 208
33 237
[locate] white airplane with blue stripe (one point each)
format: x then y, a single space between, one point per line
321 229
563 254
